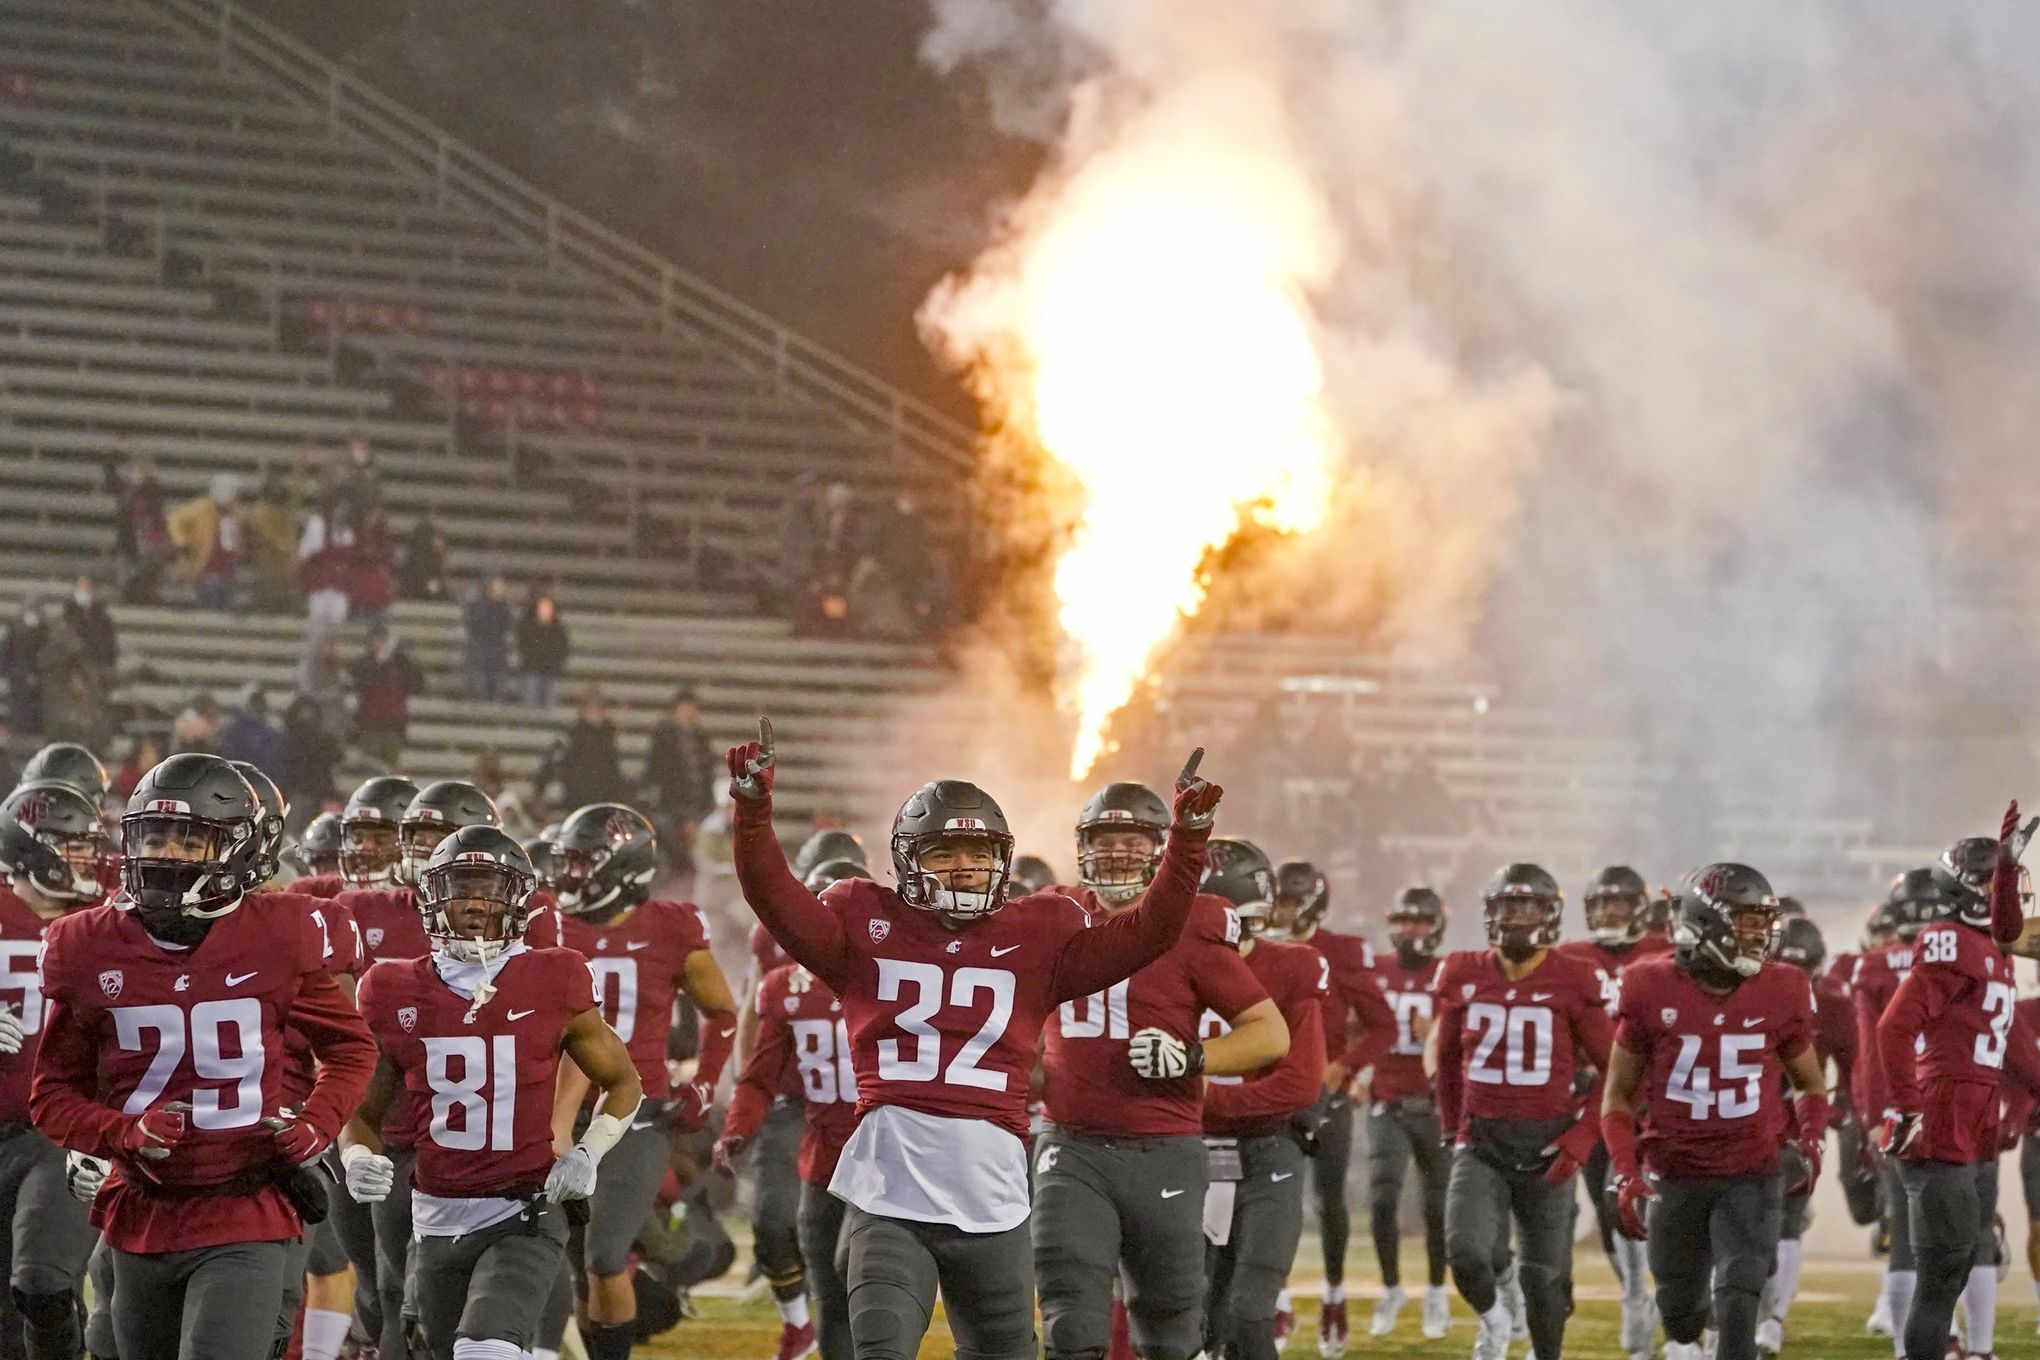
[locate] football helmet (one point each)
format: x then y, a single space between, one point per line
1416 925
1237 870
833 871
1615 906
1121 872
1800 944
1301 899
69 763
1920 897
827 845
269 828
53 839
1791 908
1974 860
945 811
318 847
1727 917
1031 874
189 844
1658 910
474 893
1522 909
539 849
368 830
604 861
435 812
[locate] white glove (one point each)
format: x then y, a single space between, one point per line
370 1177
573 1175
11 1032
84 1174
1161 1056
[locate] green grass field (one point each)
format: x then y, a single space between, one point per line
1826 1324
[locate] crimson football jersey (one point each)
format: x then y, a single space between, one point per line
486 1079
342 948
1942 1042
1359 1027
638 962
1713 1087
766 954
1834 1030
1510 1049
1092 1088
132 1025
21 933
1872 984
1298 979
317 885
1399 1072
944 1021
1608 963
802 1044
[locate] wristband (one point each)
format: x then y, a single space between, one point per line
602 1133
1193 1056
354 1152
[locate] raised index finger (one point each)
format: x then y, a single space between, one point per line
765 736
1183 780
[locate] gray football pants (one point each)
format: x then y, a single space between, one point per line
1246 1274
1480 1201
1328 1184
1952 1210
822 1248
777 1194
1716 1234
626 1188
47 1246
212 1303
1111 1207
986 1281
490 1285
392 1219
1396 1138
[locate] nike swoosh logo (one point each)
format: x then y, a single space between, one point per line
1279 1176
1540 996
1170 1194
726 1032
1748 1023
519 1015
998 952
636 945
235 980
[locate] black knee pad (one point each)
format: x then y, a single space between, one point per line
1685 1328
46 1308
1743 1274
879 1321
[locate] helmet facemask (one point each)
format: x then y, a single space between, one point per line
1520 924
960 875
1117 862
1415 938
474 912
417 838
581 889
1614 919
181 872
369 851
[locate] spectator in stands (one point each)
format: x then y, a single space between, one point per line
94 626
324 680
20 650
385 681
272 534
873 604
357 484
141 533
679 776
584 765
800 539
72 690
197 727
421 567
249 735
487 773
485 625
311 752
143 754
371 582
325 552
542 648
207 534
901 544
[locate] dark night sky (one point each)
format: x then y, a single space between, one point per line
793 151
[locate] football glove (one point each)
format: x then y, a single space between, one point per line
725 1154
12 1032
751 766
370 1176
1632 1196
2013 838
572 1176
84 1174
156 1133
1570 1150
1196 799
1161 1056
296 1141
1901 1129
691 1104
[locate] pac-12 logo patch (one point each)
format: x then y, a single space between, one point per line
407 1016
1467 990
110 982
879 930
1669 1016
374 936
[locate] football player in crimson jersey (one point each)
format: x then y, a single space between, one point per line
1516 1023
2028 1021
1402 1114
1946 1042
802 1044
644 952
52 841
1705 1042
474 1032
1359 1028
315 858
164 1049
1615 904
1258 1127
1119 1170
945 985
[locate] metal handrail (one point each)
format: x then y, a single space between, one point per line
795 365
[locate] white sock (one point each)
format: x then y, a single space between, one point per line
1979 1309
1282 1303
325 1333
1632 1265
1785 1284
1898 1287
793 1311
545 1355
467 1348
1335 1293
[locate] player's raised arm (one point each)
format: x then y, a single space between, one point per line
1092 960
2007 914
808 931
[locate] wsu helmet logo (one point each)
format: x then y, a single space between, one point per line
34 809
618 829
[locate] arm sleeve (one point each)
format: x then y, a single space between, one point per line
2007 920
1923 995
1290 1085
340 1040
764 1072
1376 1020
1092 960
1451 1070
62 1100
810 933
718 1035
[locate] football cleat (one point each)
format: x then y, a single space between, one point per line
1385 1310
796 1343
1437 1312
1285 1326
1331 1330
1879 1321
1770 1336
